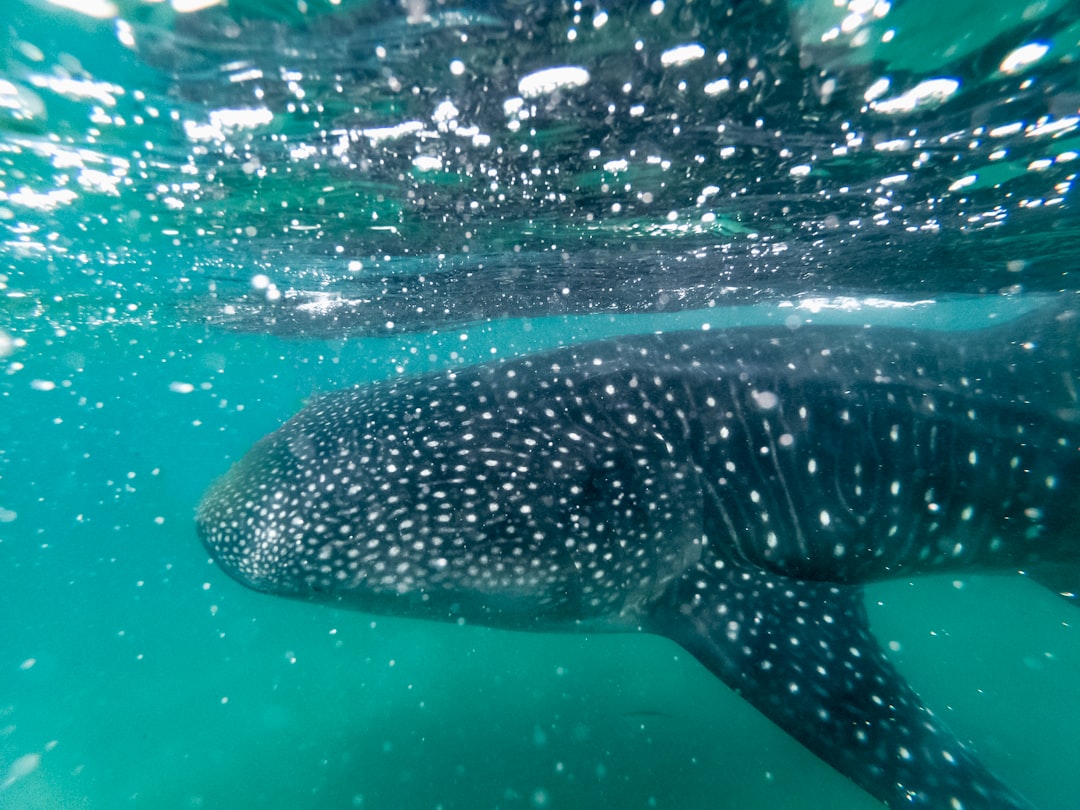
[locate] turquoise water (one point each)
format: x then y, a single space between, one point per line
145 678
140 356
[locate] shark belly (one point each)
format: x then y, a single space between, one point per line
729 490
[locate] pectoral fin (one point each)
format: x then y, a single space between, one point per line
1062 579
802 653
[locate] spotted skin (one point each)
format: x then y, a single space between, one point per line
731 490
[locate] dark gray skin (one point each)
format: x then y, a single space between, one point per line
731 490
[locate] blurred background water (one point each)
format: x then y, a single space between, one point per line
209 212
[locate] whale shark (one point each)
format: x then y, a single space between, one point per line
730 489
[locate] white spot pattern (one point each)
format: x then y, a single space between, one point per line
754 477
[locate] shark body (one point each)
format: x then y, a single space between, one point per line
731 490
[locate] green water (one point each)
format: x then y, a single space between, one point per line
146 679
134 674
